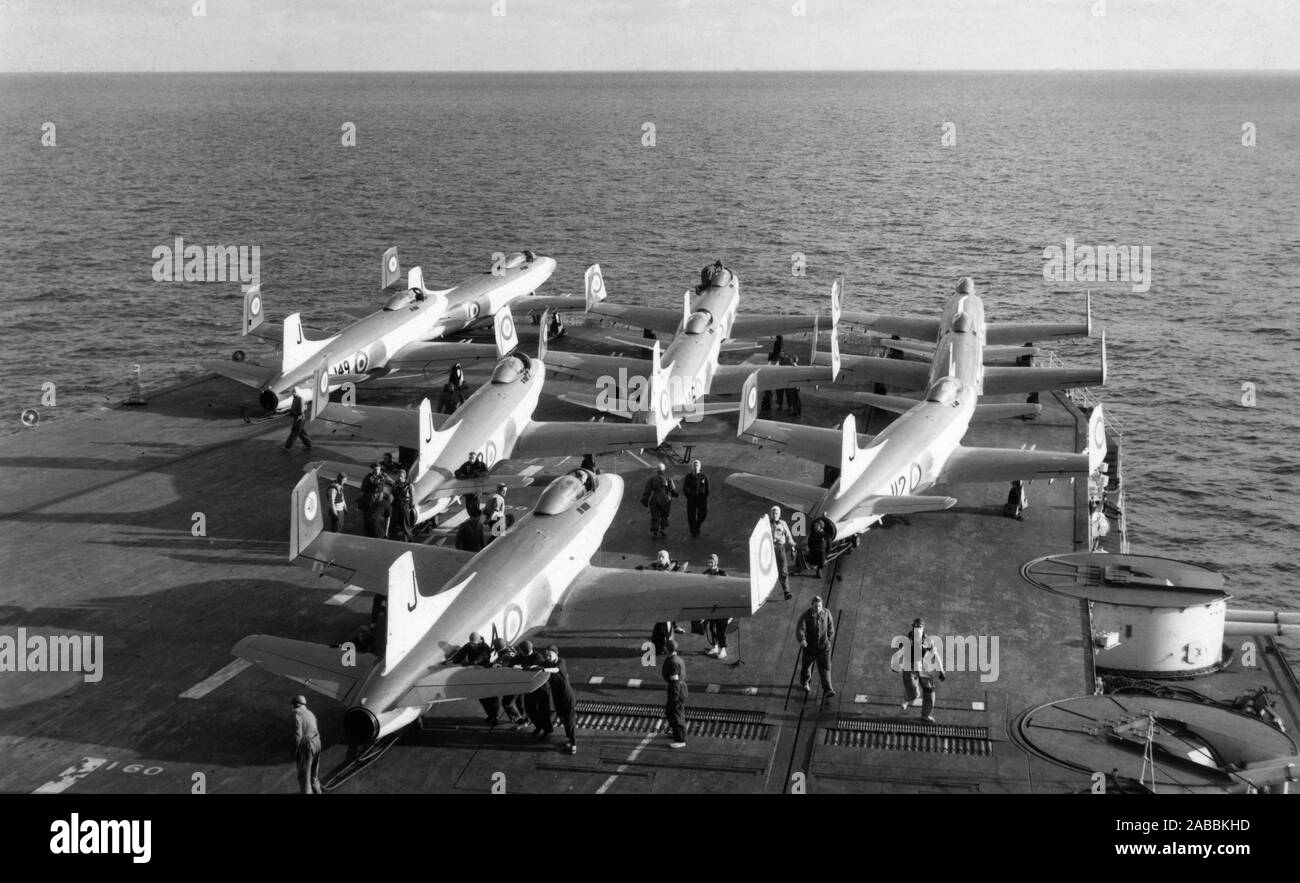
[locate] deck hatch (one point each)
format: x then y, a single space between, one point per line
628 717
922 737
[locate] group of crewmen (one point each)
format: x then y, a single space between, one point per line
484 521
387 502
554 700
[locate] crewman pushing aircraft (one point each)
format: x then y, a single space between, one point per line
306 746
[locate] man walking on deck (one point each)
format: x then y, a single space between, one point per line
696 488
674 672
923 664
816 634
306 746
298 429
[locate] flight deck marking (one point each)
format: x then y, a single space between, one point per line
343 597
203 688
71 776
638 459
630 759
531 470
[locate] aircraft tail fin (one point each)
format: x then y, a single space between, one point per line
504 327
661 399
686 307
409 615
854 460
835 343
307 519
432 442
391 271
593 286
541 337
748 405
1103 346
297 349
762 564
415 279
252 307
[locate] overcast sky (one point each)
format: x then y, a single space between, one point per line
466 35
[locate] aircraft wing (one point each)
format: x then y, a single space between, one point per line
557 303
364 561
1027 332
607 597
434 356
657 319
584 366
730 379
313 665
1004 464
816 443
471 682
539 439
904 504
247 373
792 494
894 373
397 426
772 323
903 326
1003 381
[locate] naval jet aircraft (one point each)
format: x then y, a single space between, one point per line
881 475
699 332
962 329
535 575
496 421
393 343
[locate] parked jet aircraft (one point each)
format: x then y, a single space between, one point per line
536 575
962 331
699 334
393 341
496 421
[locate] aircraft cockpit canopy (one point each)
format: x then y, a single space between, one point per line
511 368
961 323
565 492
698 322
944 391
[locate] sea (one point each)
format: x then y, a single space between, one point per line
900 182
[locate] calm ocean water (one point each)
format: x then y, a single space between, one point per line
847 169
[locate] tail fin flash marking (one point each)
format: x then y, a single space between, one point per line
252 307
391 271
748 405
504 326
762 564
432 442
320 390
306 521
594 286
541 338
661 396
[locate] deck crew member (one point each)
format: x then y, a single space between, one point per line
715 630
380 512
816 634
589 464
658 497
477 652
504 656
306 746
783 546
371 486
1017 502
299 427
338 503
817 546
923 664
674 673
696 488
562 696
792 393
470 536
403 526
537 704
663 630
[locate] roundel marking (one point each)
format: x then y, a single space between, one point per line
507 327
752 401
597 282
473 310
31 417
255 305
310 505
490 452
324 383
766 557
665 405
512 623
392 263
361 361
1099 434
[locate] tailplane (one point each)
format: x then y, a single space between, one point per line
506 337
306 521
594 286
391 272
252 307
762 564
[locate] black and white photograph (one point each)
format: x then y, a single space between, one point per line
891 400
